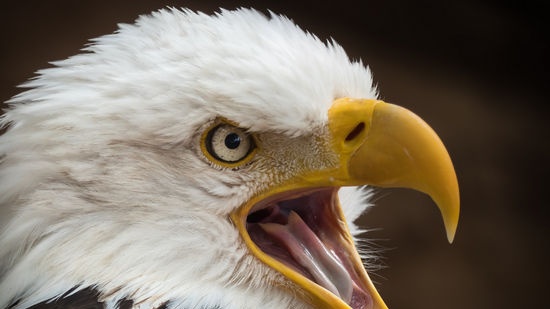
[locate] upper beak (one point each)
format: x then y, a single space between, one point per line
385 145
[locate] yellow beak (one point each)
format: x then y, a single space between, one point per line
385 145
376 144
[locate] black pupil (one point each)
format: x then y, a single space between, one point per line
232 140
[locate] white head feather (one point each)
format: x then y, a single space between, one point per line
101 180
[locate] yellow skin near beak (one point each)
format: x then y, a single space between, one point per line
377 144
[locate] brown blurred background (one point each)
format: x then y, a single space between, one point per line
474 70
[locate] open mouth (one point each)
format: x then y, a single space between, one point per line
306 232
302 233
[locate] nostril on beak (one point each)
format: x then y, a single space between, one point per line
355 132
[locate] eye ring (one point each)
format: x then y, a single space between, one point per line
228 145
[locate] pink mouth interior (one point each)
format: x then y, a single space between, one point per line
302 230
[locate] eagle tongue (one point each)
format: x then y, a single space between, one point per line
312 254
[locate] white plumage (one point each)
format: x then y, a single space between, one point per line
195 161
102 183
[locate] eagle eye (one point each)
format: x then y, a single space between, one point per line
228 145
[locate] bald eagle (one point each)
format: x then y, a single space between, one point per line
197 161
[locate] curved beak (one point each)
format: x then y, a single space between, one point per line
385 145
375 143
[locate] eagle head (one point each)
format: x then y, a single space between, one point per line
197 161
